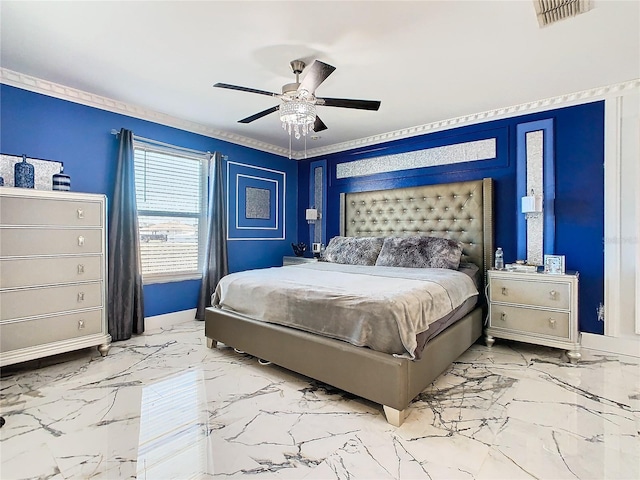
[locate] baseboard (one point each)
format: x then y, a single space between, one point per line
169 319
621 345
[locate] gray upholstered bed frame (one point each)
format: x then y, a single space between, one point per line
461 211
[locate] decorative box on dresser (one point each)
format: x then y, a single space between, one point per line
537 308
52 273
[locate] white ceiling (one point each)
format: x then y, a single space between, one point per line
426 61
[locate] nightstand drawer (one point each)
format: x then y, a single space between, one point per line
530 320
540 294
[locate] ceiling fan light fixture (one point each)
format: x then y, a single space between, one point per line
297 116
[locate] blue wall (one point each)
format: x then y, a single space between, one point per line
579 173
48 128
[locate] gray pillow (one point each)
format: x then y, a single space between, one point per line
353 250
420 252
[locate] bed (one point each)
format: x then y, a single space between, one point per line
459 211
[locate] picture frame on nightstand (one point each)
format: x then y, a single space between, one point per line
554 264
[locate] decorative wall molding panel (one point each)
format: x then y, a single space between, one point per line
428 157
535 174
27 82
318 200
255 202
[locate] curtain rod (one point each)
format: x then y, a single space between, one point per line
162 144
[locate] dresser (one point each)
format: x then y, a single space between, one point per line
52 273
537 308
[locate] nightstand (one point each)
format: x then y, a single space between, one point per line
297 260
539 308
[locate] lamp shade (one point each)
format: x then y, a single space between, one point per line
531 204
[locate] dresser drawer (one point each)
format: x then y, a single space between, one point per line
542 294
24 272
29 302
40 331
41 241
46 211
529 320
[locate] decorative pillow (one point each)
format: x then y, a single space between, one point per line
353 250
420 252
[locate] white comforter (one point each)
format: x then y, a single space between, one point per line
383 308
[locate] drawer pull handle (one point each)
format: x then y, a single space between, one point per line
80 269
552 323
503 317
505 291
553 294
80 297
80 324
80 213
80 241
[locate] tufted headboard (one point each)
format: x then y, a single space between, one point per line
461 211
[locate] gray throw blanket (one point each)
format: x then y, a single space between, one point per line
382 308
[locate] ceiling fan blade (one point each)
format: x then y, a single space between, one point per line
246 89
261 114
349 103
315 75
319 125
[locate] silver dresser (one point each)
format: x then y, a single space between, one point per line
538 308
52 273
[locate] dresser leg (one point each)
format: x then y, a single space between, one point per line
489 340
574 356
211 343
104 349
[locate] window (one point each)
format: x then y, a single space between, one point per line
171 198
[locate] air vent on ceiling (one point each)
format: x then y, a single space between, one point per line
551 11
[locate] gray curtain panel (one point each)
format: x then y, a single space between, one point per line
216 262
125 303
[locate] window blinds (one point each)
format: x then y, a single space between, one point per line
170 201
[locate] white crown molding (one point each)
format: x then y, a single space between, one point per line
499 113
33 84
52 89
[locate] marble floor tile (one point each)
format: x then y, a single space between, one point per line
163 405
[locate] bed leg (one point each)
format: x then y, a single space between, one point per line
211 343
394 417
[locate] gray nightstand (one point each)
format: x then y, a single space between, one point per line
297 260
538 308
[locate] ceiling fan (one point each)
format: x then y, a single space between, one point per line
298 100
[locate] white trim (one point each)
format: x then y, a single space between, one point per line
238 227
637 240
604 343
45 87
255 167
169 319
612 220
27 82
284 203
575 98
